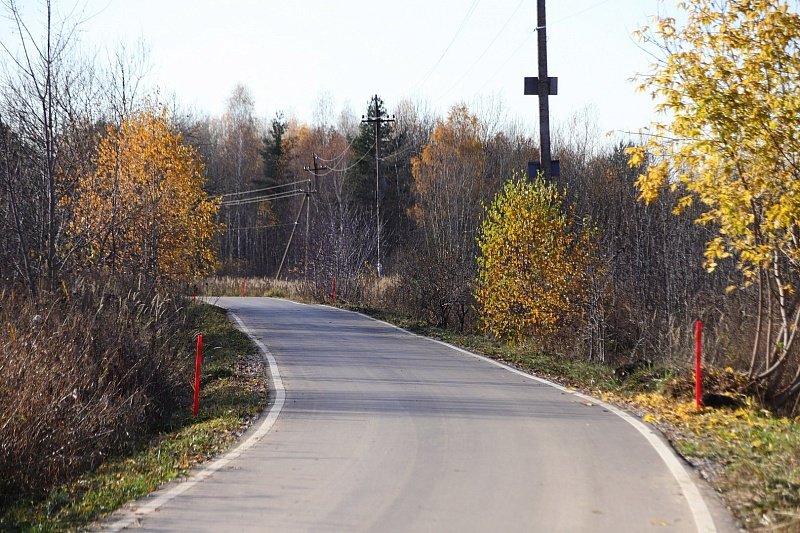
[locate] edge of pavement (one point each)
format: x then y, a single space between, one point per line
131 514
692 486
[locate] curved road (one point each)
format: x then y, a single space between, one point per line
385 431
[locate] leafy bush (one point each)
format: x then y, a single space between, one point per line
534 262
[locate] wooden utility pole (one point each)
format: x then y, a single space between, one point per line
377 121
315 173
543 86
544 89
291 236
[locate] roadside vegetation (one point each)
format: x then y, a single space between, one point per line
104 219
233 394
233 286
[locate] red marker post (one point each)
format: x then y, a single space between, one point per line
198 363
698 364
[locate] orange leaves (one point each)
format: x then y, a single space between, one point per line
533 270
143 210
453 157
448 178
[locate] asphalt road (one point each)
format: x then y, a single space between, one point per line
385 431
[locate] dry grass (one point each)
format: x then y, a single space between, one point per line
235 286
370 290
233 393
80 377
751 456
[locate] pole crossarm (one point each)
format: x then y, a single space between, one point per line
316 172
377 120
543 86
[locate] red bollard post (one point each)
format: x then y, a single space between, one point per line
333 294
698 364
198 363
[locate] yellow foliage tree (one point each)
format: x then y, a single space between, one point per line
533 267
730 82
143 211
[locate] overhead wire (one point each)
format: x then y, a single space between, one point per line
270 226
263 189
581 12
531 33
351 166
461 26
264 199
341 154
396 155
284 194
267 197
496 36
508 59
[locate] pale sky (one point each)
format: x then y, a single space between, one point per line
292 53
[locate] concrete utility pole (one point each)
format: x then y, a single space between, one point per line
543 86
377 121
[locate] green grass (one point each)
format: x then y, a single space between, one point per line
233 386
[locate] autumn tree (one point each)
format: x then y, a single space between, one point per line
39 108
411 132
143 211
237 169
730 83
656 284
534 262
448 187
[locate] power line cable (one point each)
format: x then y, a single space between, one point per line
508 59
396 155
467 16
497 35
531 34
351 166
581 12
264 189
270 226
276 196
341 154
264 199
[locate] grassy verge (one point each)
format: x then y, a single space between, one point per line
233 385
751 457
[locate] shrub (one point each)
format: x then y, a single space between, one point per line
534 263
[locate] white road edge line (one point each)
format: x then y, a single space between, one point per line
132 516
697 505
